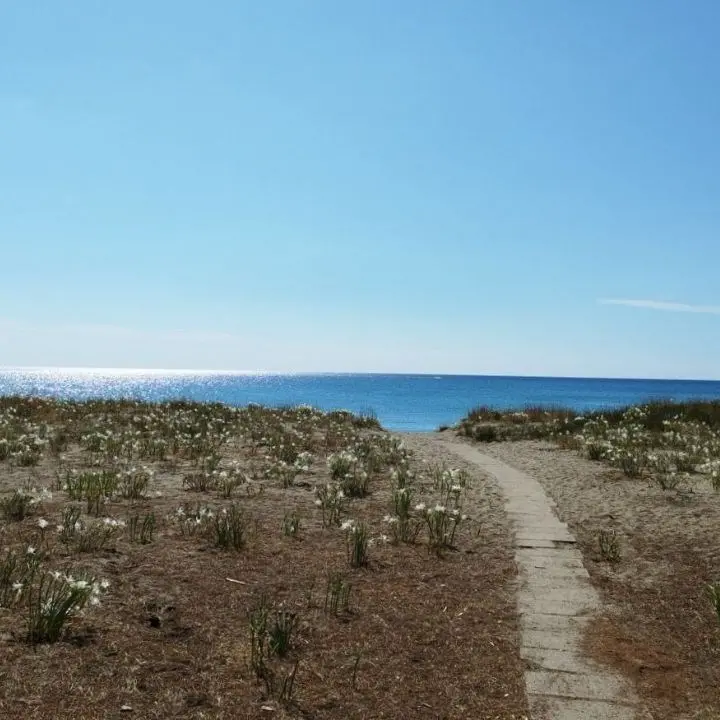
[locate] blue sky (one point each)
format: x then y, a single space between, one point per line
463 186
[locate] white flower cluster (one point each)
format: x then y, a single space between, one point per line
89 590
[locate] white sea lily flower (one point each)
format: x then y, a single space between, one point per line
420 507
17 587
43 523
347 525
439 508
104 584
31 550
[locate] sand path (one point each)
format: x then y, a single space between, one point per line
554 598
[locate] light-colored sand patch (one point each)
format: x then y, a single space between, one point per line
590 496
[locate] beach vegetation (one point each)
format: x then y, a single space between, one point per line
664 441
161 535
609 545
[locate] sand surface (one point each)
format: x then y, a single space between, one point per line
659 628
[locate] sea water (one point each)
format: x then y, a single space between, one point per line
400 402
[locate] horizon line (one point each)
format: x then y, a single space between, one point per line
197 371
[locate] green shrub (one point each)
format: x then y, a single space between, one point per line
485 433
55 600
229 528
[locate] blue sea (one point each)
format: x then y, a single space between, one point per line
401 402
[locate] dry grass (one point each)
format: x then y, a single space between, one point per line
664 636
488 424
536 422
424 637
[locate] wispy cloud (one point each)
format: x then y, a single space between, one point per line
662 305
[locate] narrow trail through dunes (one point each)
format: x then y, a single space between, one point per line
555 599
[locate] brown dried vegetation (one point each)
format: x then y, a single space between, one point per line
423 635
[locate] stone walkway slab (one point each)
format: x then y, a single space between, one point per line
565 660
562 625
545 708
579 685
